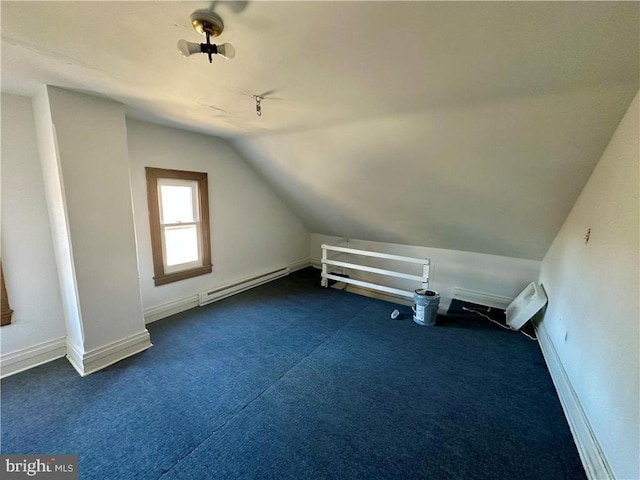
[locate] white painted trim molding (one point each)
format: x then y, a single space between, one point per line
26 358
170 308
99 358
593 458
299 265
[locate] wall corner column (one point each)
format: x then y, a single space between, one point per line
83 150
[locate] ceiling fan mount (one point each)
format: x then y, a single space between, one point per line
207 22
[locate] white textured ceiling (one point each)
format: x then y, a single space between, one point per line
462 125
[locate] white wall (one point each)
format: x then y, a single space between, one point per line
252 231
480 272
593 288
27 249
94 171
56 206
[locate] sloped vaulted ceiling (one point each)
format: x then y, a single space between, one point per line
460 125
488 120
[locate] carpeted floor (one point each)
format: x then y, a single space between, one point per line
292 381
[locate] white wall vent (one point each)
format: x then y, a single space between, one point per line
526 305
205 298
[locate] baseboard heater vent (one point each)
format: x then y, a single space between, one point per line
205 298
481 298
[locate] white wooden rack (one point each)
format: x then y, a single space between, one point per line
327 275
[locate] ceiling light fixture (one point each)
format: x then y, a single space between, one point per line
210 25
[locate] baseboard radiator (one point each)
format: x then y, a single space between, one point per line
481 298
349 265
205 298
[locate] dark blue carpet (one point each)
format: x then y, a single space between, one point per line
292 381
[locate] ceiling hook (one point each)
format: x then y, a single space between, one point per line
258 106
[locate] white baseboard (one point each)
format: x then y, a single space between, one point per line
481 298
299 265
593 458
171 308
26 358
99 358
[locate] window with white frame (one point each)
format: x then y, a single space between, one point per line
179 221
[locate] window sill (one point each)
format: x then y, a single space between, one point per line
177 276
6 317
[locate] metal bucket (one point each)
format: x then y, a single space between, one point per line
425 308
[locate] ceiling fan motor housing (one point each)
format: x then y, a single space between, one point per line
206 21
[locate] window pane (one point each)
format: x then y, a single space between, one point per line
181 244
177 203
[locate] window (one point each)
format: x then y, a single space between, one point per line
179 220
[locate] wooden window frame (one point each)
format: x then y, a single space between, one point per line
6 309
153 174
